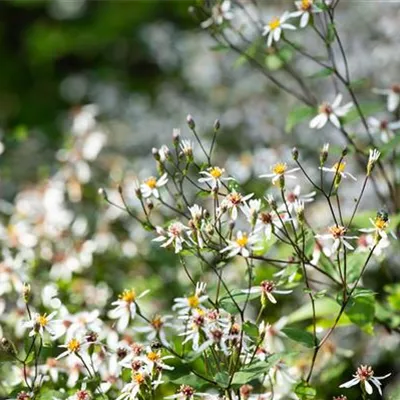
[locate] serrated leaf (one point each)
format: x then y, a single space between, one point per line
300 336
255 370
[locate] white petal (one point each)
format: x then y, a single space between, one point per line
368 387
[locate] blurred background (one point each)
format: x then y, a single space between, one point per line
146 65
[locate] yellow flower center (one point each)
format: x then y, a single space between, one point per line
274 23
156 322
279 168
128 295
42 320
337 231
242 241
193 301
380 223
138 378
216 172
152 356
306 4
339 167
151 182
73 345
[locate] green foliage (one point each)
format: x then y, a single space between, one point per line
300 336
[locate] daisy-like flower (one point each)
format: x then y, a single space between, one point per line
73 346
273 30
186 304
156 328
279 173
330 112
213 176
131 390
185 392
194 325
339 170
383 127
373 158
267 222
243 244
251 210
380 223
337 233
266 290
233 201
150 186
366 242
41 323
187 148
365 376
174 235
125 309
305 9
220 13
393 96
293 197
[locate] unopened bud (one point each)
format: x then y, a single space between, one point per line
345 151
102 192
217 125
295 153
176 136
190 122
324 154
231 225
155 153
26 292
150 204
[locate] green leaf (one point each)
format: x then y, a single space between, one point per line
323 307
251 329
330 36
361 309
305 391
228 304
355 262
255 370
191 380
388 148
222 378
323 73
300 336
296 116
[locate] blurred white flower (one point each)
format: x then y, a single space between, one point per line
393 96
273 30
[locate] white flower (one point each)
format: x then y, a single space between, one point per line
337 234
150 186
125 309
39 323
267 222
280 171
330 112
384 128
379 225
234 200
73 346
305 9
187 148
294 197
393 96
220 13
131 390
186 304
273 30
364 375
173 235
186 392
251 210
243 244
156 328
265 289
213 176
338 169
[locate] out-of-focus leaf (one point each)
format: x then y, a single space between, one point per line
366 108
323 73
323 307
298 115
361 310
255 370
300 336
305 391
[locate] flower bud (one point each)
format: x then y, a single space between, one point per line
176 136
295 153
345 151
324 154
26 292
7 346
150 204
217 125
102 192
155 153
190 122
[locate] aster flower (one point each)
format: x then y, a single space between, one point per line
131 390
339 170
374 154
273 30
233 201
393 96
150 186
280 172
365 376
266 290
125 309
40 323
155 361
156 328
330 112
294 196
213 176
337 233
243 244
194 325
220 13
251 210
173 235
73 347
383 127
267 222
187 148
305 9
186 304
380 223
185 392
